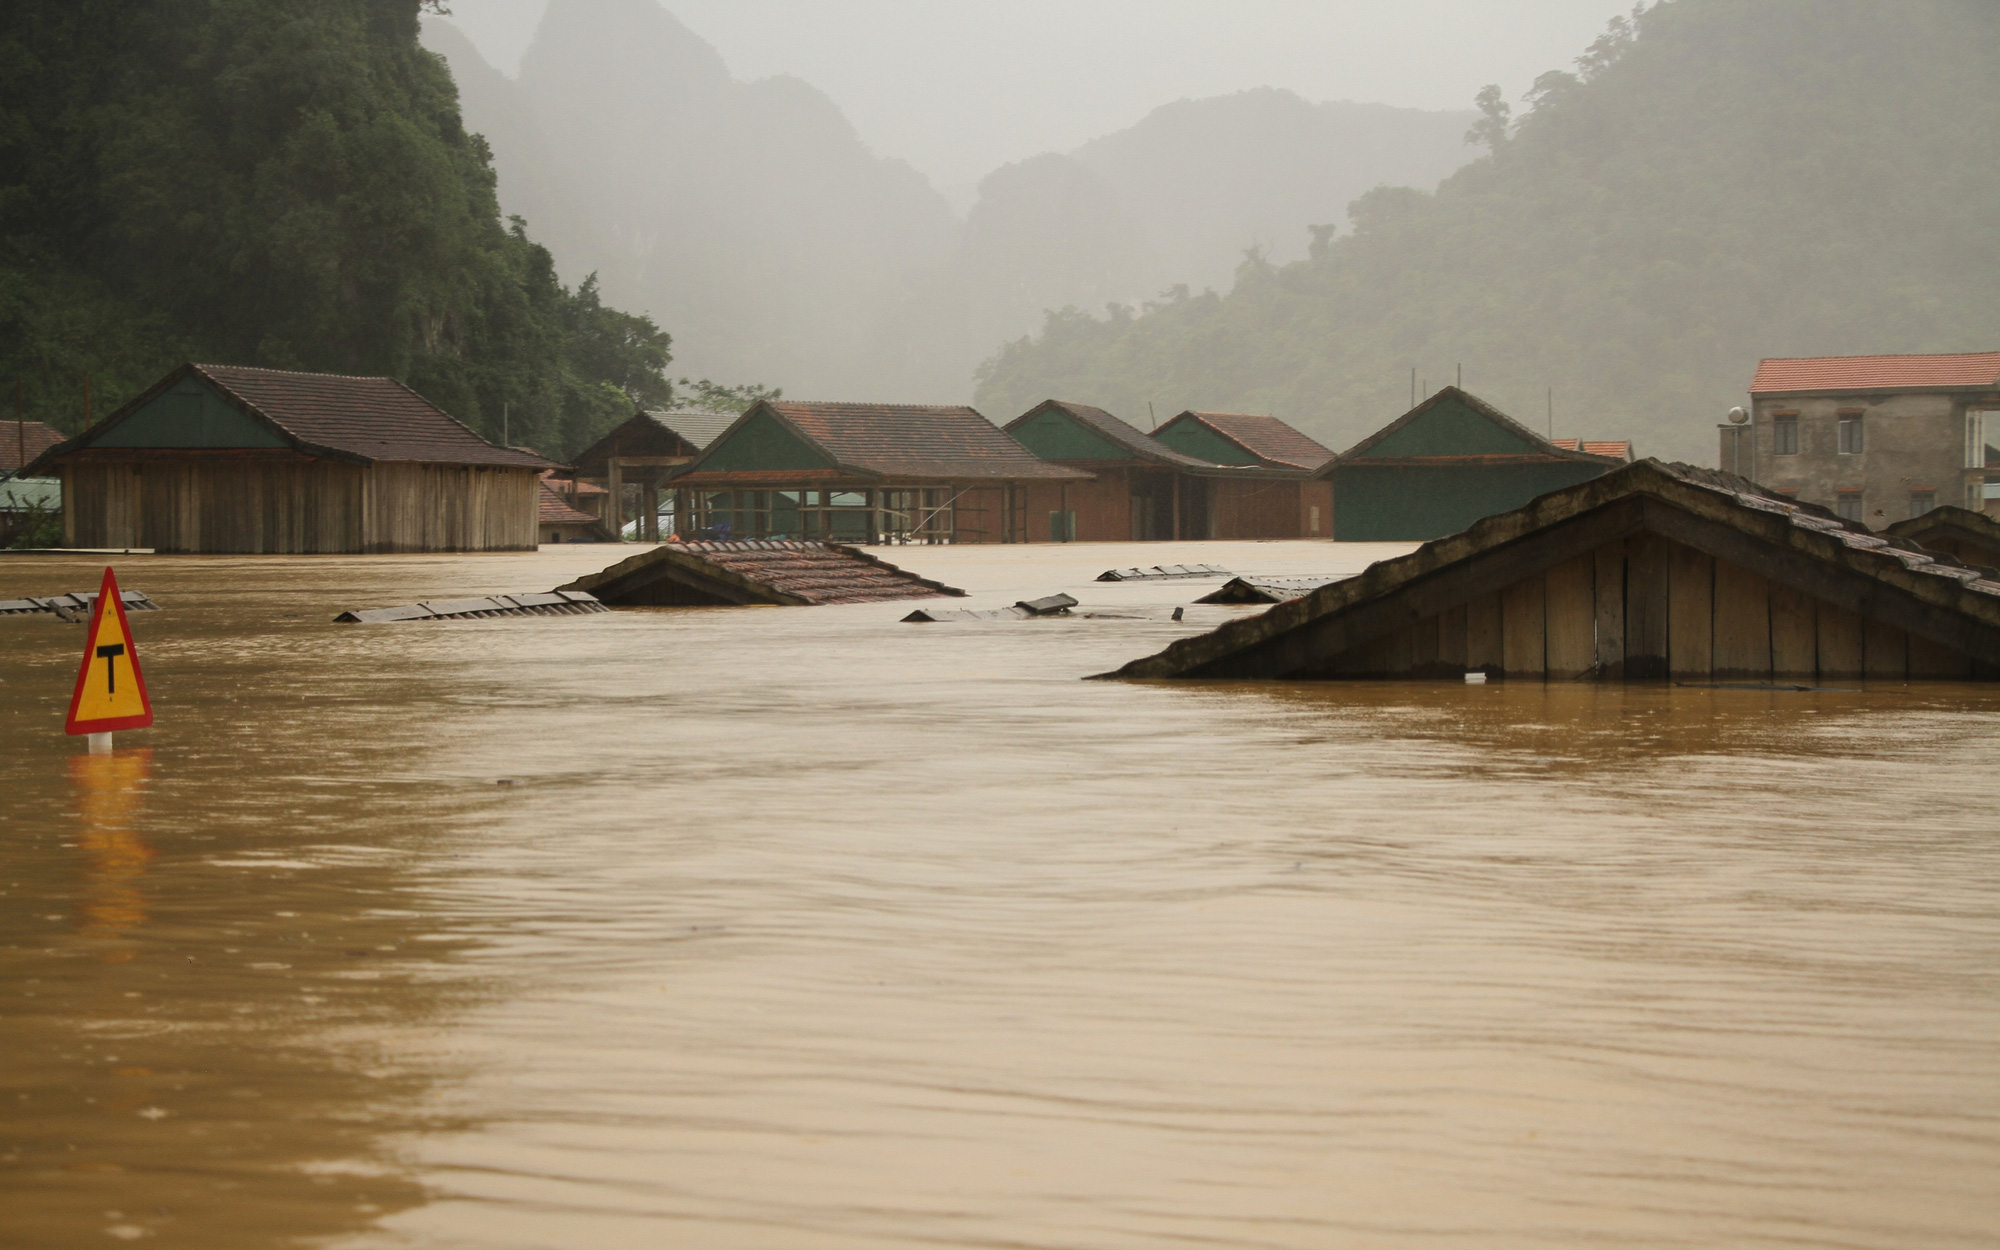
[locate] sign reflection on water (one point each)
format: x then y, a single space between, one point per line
110 794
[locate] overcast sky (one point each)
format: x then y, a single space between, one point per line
959 87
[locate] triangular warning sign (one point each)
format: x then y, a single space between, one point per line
110 692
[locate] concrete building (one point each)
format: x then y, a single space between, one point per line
1444 464
215 458
1878 439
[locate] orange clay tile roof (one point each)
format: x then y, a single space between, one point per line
1266 438
555 510
1620 449
565 487
1778 376
37 437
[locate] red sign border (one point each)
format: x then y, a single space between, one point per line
108 593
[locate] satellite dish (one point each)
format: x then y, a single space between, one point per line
1737 416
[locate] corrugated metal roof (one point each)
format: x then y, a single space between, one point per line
36 436
1782 375
698 428
1265 437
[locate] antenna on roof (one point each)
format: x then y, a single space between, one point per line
1552 415
1413 386
1460 384
1152 416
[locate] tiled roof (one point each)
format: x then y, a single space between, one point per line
565 487
1266 438
1142 446
699 428
36 436
1822 537
370 418
915 441
555 510
1554 449
770 571
1620 448
1779 375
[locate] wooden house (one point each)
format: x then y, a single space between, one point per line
1444 464
560 521
862 473
1285 500
1653 571
629 465
217 458
1147 488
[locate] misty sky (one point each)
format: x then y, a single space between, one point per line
959 87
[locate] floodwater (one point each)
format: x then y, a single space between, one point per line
800 927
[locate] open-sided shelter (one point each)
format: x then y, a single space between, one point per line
221 458
1444 464
862 473
1146 489
630 463
1651 571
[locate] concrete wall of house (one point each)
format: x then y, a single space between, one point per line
1416 503
1910 444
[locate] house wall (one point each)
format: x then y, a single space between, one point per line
1416 503
1103 507
1649 608
287 504
1252 508
1909 443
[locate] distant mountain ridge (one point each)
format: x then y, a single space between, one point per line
751 220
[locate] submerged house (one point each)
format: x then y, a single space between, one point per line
217 458
1966 536
1149 486
1444 464
621 474
863 473
1653 571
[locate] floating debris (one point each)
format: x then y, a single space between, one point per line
766 571
1264 589
75 607
1026 609
1161 572
554 603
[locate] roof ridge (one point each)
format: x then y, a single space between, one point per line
307 373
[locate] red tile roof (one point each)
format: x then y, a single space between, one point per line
912 441
555 510
35 435
775 571
1619 448
565 487
1266 438
1778 376
1142 445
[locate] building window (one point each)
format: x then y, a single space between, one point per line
1848 504
1850 433
1785 434
1981 428
1922 501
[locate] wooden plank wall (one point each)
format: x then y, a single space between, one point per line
1650 608
439 507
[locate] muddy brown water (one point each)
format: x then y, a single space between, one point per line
807 928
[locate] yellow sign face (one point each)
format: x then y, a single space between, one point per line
110 691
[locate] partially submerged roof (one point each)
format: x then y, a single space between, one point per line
1804 375
1242 438
805 442
765 571
556 510
1263 589
1457 427
22 441
361 420
1058 430
1941 606
1971 537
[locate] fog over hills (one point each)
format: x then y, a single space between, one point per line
751 220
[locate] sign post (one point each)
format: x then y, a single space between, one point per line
110 689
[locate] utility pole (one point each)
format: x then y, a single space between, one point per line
506 440
86 401
1552 414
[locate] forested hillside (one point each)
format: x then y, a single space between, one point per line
1718 181
282 183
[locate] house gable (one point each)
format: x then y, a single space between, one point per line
1053 434
1450 427
1191 437
189 415
762 442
